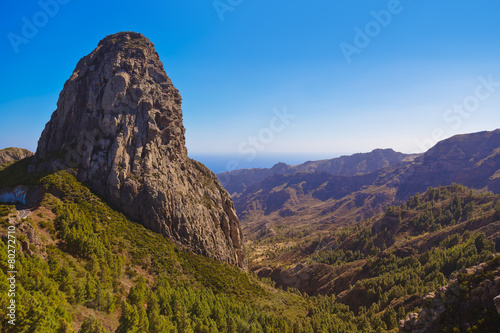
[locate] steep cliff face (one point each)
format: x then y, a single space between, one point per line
118 124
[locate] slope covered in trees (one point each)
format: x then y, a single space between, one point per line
388 263
85 267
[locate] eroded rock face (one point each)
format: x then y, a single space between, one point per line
468 300
118 123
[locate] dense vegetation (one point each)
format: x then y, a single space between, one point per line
93 270
439 211
90 256
393 277
412 249
472 314
98 270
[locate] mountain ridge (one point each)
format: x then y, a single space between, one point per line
289 219
349 165
325 198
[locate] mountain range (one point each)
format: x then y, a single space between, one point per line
237 181
349 189
313 226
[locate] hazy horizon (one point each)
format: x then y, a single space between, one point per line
219 162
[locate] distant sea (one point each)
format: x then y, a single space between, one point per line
227 162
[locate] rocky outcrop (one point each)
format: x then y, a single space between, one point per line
32 243
118 124
314 279
468 303
8 155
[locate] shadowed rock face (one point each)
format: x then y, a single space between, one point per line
118 123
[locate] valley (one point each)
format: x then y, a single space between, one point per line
118 230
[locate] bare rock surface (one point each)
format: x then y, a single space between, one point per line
471 293
8 155
118 124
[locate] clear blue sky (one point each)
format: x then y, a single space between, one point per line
400 85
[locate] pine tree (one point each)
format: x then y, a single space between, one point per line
143 325
92 325
129 320
390 317
183 321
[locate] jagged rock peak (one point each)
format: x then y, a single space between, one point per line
125 37
122 77
118 123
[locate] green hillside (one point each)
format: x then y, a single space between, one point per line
92 267
84 267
